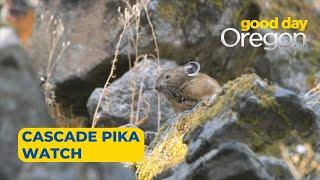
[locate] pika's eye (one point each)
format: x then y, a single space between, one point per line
167 76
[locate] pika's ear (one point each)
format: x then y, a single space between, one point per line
192 68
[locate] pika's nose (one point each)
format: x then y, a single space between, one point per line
158 86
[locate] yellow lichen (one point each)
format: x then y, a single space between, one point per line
165 155
170 150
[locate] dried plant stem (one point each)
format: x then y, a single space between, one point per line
132 102
57 60
285 156
137 37
51 53
139 100
113 68
158 60
132 15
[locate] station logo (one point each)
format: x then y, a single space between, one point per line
292 34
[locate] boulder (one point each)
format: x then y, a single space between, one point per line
248 111
192 29
230 161
259 115
132 93
293 68
21 105
290 68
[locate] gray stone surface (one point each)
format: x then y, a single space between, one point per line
258 116
21 105
185 30
115 109
277 167
231 161
288 67
248 111
76 171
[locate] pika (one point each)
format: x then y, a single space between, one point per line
184 86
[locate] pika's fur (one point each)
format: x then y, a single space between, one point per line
184 86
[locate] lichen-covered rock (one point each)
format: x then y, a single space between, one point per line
257 114
231 161
134 92
248 111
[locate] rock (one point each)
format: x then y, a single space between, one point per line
78 68
312 100
259 116
293 68
94 35
231 161
129 126
185 30
115 109
248 111
192 29
288 67
21 105
74 171
149 136
278 168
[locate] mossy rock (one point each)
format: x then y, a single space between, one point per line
248 111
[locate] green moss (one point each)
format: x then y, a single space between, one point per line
167 11
258 140
181 12
217 3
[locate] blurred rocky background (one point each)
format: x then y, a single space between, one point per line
264 125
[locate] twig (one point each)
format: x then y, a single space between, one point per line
113 68
158 59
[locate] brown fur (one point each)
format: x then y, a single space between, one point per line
183 91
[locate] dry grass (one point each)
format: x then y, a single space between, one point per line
130 17
313 96
303 162
301 159
56 48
